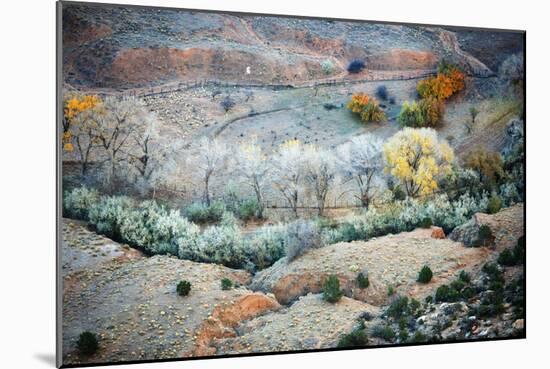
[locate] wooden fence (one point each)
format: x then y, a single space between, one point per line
380 76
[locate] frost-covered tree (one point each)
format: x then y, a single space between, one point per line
149 160
288 172
252 166
361 160
418 159
319 173
118 121
210 159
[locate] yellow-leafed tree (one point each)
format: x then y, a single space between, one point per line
72 108
418 160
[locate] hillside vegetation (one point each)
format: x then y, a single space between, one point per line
242 184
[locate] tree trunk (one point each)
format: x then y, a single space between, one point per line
207 191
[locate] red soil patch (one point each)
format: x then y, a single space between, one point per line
148 65
399 59
224 318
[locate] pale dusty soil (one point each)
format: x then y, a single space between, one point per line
392 260
130 300
507 225
84 250
133 306
310 323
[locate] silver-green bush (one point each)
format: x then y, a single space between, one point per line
300 237
109 213
78 202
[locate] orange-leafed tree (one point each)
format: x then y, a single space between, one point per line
448 81
367 107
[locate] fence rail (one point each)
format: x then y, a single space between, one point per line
380 76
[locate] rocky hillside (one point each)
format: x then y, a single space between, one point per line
116 47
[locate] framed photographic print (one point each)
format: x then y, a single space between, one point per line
240 184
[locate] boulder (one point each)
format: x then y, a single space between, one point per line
438 233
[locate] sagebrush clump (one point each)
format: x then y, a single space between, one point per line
78 202
327 66
383 331
202 213
300 237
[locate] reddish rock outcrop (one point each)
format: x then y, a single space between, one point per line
438 233
226 317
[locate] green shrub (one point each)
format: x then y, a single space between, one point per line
331 289
426 222
391 291
464 276
183 288
357 337
418 337
248 209
226 284
78 202
468 292
425 113
383 331
484 237
493 272
515 256
109 213
495 204
414 306
362 280
507 258
266 246
201 213
425 275
445 293
222 244
87 343
349 233
156 229
398 308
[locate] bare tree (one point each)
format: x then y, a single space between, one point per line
288 172
253 167
119 119
84 133
320 173
149 161
361 160
211 159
